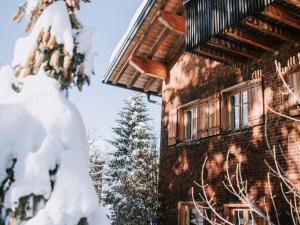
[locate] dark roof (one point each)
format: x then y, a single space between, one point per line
206 18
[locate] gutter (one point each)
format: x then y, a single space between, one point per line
128 40
132 88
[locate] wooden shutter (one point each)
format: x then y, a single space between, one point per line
256 107
214 117
172 127
202 120
181 127
294 81
225 109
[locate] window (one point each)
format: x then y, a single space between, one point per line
190 123
189 215
241 215
239 110
242 106
293 81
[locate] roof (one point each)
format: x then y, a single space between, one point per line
141 61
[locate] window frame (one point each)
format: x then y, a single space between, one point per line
292 104
230 210
248 86
241 125
193 123
189 205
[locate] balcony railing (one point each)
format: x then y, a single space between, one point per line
206 18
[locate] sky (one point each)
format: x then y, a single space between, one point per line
98 104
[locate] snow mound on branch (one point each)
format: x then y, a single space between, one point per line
84 41
42 130
55 16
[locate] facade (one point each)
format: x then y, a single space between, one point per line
213 64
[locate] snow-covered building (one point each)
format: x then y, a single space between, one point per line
228 74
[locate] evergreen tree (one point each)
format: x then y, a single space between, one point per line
97 153
131 176
57 46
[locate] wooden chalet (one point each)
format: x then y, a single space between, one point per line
212 63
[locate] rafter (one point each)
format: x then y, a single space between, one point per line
149 67
158 42
172 21
233 47
282 15
149 84
134 79
215 54
272 30
250 39
294 2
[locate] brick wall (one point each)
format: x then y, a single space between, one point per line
194 78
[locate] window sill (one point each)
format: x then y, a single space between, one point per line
236 131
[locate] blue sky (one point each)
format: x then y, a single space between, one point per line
99 103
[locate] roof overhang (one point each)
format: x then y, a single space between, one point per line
143 60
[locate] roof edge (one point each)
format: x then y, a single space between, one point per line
128 39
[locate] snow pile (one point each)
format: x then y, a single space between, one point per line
55 17
43 131
133 21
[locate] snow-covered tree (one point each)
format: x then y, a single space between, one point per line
132 173
44 177
97 159
58 43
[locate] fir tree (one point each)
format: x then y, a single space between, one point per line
57 46
131 176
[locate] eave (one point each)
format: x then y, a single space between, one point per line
143 61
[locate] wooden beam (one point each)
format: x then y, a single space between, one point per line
149 84
272 30
294 2
172 21
282 15
215 54
158 42
250 39
135 77
233 47
149 67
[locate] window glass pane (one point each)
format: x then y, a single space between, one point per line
245 108
188 125
195 122
235 111
250 219
195 218
236 117
239 217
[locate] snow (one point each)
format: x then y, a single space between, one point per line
31 5
129 29
84 40
55 17
42 129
